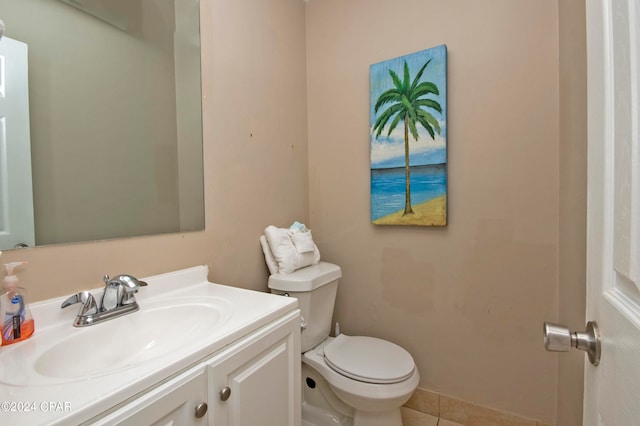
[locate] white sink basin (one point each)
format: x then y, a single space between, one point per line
139 337
158 328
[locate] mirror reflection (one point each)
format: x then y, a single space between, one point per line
112 122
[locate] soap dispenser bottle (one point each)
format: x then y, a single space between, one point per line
17 322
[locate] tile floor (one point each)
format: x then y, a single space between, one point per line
427 408
417 418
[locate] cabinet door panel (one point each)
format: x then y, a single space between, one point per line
172 403
261 390
263 379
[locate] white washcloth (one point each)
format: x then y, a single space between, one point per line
303 241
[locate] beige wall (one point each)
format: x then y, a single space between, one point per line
468 301
573 203
255 156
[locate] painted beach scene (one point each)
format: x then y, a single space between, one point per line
408 136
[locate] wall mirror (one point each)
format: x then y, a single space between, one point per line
113 120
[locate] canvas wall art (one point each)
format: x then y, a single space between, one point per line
408 136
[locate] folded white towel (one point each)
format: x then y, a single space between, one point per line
272 264
285 253
303 241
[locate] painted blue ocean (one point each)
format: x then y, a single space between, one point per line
388 187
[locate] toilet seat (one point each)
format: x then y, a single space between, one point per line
368 359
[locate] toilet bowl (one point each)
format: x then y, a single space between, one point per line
363 380
373 376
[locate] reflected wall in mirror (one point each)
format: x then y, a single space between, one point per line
115 117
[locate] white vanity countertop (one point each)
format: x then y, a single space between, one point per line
29 398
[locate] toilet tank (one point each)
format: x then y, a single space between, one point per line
315 288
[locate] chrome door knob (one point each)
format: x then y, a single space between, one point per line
558 338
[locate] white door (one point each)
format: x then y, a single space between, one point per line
612 389
16 193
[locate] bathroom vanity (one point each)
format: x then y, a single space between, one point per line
195 353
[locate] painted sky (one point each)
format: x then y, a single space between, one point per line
388 151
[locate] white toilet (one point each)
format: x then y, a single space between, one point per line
347 380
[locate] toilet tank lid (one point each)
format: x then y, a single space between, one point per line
306 279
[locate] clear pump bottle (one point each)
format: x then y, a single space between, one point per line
17 321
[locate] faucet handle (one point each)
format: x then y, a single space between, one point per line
128 282
89 306
130 286
119 290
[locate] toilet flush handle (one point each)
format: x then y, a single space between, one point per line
303 324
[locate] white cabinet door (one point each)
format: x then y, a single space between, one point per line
172 403
258 381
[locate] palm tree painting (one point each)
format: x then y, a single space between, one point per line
408 132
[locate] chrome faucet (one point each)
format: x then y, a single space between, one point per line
117 299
